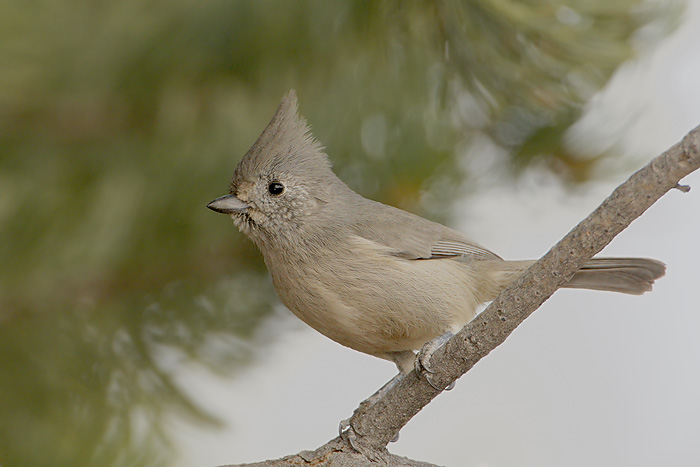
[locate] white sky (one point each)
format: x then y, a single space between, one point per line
590 379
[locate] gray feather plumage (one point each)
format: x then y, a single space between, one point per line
370 276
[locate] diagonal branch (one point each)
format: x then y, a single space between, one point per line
374 425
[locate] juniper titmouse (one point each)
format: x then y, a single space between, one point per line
370 276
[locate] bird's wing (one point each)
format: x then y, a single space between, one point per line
412 237
452 246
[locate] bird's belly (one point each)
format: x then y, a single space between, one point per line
381 305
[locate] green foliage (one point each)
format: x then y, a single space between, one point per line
120 120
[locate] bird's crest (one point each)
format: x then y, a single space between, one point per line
286 145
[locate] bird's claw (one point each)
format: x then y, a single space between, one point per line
352 435
348 433
343 427
422 362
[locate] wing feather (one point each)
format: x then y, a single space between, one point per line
412 237
452 248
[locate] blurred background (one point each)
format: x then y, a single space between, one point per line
138 328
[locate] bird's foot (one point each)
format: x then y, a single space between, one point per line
354 438
371 400
422 362
345 428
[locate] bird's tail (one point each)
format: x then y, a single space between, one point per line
626 275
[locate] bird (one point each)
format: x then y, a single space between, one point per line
367 275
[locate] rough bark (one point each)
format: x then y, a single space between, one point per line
372 426
336 453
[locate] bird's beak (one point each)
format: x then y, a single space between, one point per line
228 204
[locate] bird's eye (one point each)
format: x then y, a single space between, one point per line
275 188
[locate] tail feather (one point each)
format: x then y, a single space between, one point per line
627 275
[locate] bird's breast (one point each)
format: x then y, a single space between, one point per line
363 296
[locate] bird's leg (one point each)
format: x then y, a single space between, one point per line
371 400
422 362
346 429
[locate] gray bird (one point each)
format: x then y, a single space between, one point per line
370 276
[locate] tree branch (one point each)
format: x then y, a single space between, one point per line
374 425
